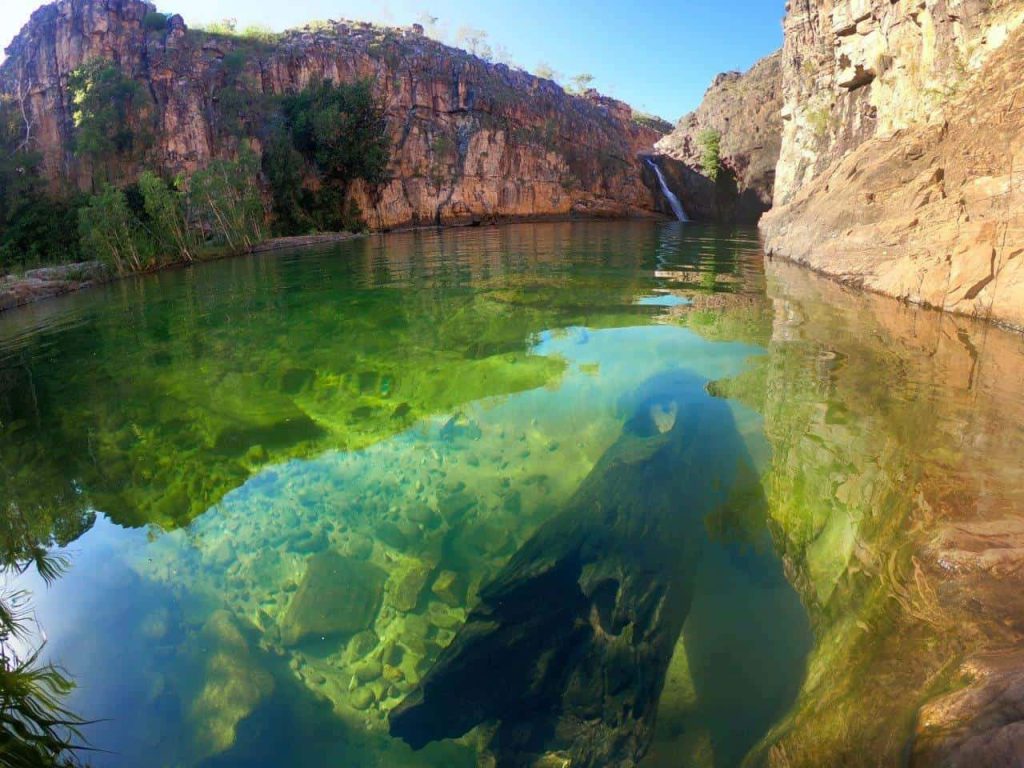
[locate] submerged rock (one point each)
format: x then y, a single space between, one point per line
569 647
338 597
448 587
233 685
407 590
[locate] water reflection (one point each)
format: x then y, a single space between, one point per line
895 431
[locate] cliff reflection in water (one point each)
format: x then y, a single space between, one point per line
896 498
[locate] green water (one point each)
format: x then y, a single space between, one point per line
409 410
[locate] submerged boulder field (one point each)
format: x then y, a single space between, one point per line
470 140
901 146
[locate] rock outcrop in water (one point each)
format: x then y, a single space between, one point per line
901 150
745 110
471 140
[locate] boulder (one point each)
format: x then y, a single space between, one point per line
338 597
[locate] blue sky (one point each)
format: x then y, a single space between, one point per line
659 55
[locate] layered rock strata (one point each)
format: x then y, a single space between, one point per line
902 146
471 140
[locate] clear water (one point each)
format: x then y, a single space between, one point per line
417 406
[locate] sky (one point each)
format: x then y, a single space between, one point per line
658 55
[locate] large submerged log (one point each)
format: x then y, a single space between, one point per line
568 648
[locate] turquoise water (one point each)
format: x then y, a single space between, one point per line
288 485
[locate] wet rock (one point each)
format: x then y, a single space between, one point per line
424 516
390 534
979 725
448 587
443 616
362 643
406 594
338 597
233 684
308 542
358 546
600 593
368 671
362 698
392 654
453 506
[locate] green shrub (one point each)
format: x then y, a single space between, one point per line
818 119
154 22
35 227
39 230
709 141
222 27
111 113
111 233
652 121
330 135
167 220
259 33
285 170
342 129
225 198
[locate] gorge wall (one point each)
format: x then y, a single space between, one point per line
745 111
471 140
902 141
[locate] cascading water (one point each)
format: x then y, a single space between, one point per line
677 207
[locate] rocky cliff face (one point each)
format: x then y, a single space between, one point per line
902 132
470 140
745 110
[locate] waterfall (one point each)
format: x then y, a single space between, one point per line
677 207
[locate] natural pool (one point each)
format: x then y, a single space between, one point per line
506 482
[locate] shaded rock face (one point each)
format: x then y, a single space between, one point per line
900 142
746 111
568 650
471 141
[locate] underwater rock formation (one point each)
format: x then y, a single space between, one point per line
569 646
339 596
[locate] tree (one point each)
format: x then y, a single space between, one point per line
710 143
582 82
167 221
475 41
35 227
111 233
333 134
110 113
547 72
225 198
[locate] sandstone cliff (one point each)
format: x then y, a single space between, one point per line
902 135
470 140
745 110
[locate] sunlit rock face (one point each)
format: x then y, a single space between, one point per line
471 141
745 110
900 136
